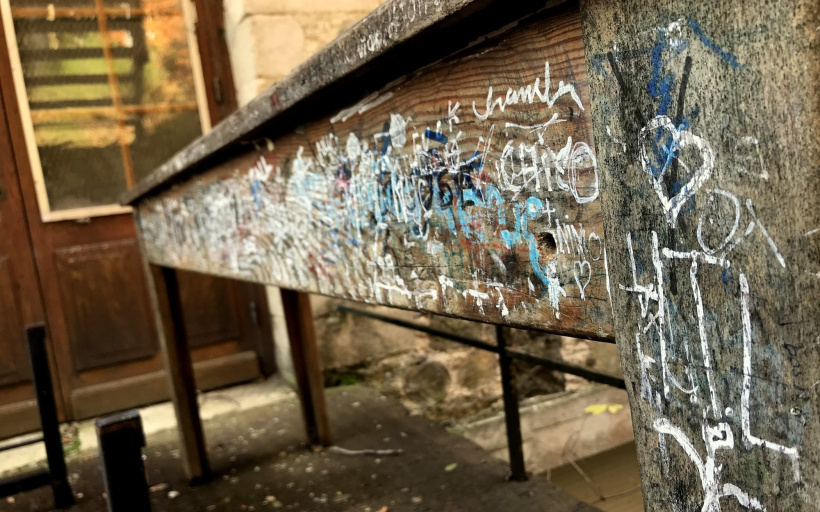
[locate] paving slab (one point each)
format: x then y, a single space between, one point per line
260 463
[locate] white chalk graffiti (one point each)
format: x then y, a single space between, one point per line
528 95
342 216
669 368
679 140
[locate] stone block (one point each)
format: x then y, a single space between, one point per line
322 28
277 43
349 341
263 49
558 428
253 7
252 88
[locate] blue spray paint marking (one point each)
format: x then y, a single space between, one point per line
727 57
660 85
662 152
436 136
475 161
533 206
257 200
512 238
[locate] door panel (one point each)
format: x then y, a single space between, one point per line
212 321
107 313
14 367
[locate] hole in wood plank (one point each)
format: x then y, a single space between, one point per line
546 245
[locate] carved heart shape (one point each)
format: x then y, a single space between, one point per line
680 139
578 271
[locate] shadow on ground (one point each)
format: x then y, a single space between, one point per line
260 463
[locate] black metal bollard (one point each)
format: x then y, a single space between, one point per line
121 440
58 474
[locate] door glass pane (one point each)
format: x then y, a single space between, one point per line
110 90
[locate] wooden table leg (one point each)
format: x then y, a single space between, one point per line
171 329
305 354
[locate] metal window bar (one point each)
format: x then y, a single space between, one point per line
57 474
506 356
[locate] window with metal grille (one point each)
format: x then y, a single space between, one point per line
107 92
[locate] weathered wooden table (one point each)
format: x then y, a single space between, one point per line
644 171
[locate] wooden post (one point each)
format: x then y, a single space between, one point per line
171 330
306 366
120 438
707 131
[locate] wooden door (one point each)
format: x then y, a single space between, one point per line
98 94
20 301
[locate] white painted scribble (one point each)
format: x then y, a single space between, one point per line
381 217
672 314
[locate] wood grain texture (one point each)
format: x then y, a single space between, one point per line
398 36
706 123
468 189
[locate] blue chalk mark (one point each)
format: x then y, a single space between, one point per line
257 200
663 152
512 238
660 85
436 136
533 207
475 161
727 56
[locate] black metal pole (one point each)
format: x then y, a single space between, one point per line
560 366
121 439
36 339
515 444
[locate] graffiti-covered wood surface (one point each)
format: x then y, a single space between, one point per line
469 189
706 123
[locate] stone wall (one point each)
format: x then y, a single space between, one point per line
435 377
268 38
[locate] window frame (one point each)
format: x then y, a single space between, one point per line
189 14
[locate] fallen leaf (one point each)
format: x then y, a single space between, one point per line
597 409
451 467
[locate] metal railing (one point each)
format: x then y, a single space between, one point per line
509 389
56 474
